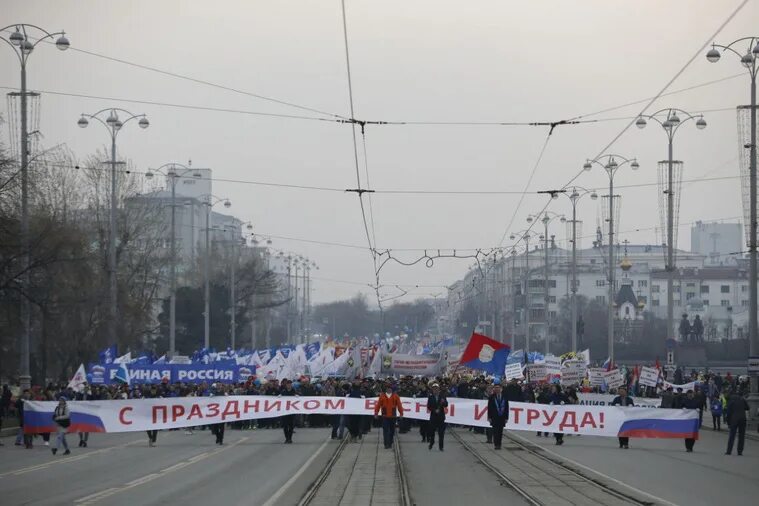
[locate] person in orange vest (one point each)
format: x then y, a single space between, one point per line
389 403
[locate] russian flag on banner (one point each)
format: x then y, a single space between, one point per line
485 354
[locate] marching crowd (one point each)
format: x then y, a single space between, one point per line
722 397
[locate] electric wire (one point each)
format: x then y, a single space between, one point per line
180 106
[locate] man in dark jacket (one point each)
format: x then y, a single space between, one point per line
498 414
689 402
288 421
736 420
624 400
436 406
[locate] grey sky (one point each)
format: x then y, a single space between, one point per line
411 60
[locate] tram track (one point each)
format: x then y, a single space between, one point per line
584 489
343 477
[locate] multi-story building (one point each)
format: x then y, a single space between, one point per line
720 243
502 290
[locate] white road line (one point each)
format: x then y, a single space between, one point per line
93 498
599 473
273 499
65 460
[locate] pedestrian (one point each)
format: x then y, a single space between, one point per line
436 406
84 395
736 421
23 436
354 421
152 434
288 421
217 429
388 403
700 398
689 402
716 409
623 400
557 398
498 414
62 419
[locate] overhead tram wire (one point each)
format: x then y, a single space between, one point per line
181 106
421 192
359 191
205 83
666 86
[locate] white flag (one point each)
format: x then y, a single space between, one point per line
79 380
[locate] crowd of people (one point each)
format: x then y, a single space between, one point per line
723 397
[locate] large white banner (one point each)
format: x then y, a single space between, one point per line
607 399
148 414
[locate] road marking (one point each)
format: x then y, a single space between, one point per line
599 473
93 498
279 493
66 460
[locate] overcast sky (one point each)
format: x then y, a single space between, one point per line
431 60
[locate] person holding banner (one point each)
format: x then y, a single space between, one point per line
62 419
690 402
436 406
389 403
557 398
498 414
622 399
288 421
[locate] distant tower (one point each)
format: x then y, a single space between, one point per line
628 314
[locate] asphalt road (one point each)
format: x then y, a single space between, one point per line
251 468
662 468
255 468
452 476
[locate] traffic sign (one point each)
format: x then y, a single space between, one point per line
753 366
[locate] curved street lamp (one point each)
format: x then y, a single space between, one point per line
546 217
525 235
209 201
23 39
113 125
611 164
671 124
577 192
749 61
173 171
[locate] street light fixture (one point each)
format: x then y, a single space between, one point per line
170 171
670 125
113 125
577 193
21 42
209 201
525 235
749 61
546 217
610 165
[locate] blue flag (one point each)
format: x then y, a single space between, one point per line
122 374
107 355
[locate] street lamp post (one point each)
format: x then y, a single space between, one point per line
172 175
210 201
577 193
546 217
23 41
749 61
525 234
610 165
670 125
113 124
